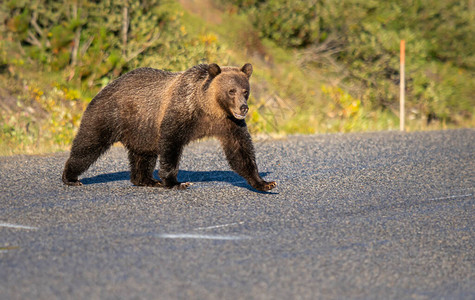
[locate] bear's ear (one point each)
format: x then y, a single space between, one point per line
247 69
214 70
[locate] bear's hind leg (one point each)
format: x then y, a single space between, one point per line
90 143
81 158
142 166
169 160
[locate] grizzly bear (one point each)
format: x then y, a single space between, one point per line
155 113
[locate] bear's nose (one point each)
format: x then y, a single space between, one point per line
244 109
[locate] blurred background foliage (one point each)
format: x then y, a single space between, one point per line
320 65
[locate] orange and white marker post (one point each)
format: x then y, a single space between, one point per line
402 86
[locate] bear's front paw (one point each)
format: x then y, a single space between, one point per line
266 186
182 186
72 183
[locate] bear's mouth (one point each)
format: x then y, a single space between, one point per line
238 116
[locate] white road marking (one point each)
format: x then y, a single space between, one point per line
202 236
451 197
218 226
16 226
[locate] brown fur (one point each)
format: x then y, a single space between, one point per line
155 113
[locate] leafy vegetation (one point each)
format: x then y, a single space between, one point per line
320 65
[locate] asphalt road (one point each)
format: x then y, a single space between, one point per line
354 216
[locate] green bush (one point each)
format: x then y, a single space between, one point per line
60 47
361 38
289 23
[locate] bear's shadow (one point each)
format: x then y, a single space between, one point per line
183 176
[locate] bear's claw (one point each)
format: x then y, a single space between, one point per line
73 183
267 186
182 185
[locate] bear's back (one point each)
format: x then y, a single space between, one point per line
133 106
138 84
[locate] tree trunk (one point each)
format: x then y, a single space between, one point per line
125 26
77 36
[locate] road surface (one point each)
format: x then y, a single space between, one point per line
356 216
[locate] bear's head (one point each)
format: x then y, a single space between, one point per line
230 89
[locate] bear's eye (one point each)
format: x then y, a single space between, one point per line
232 92
246 93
